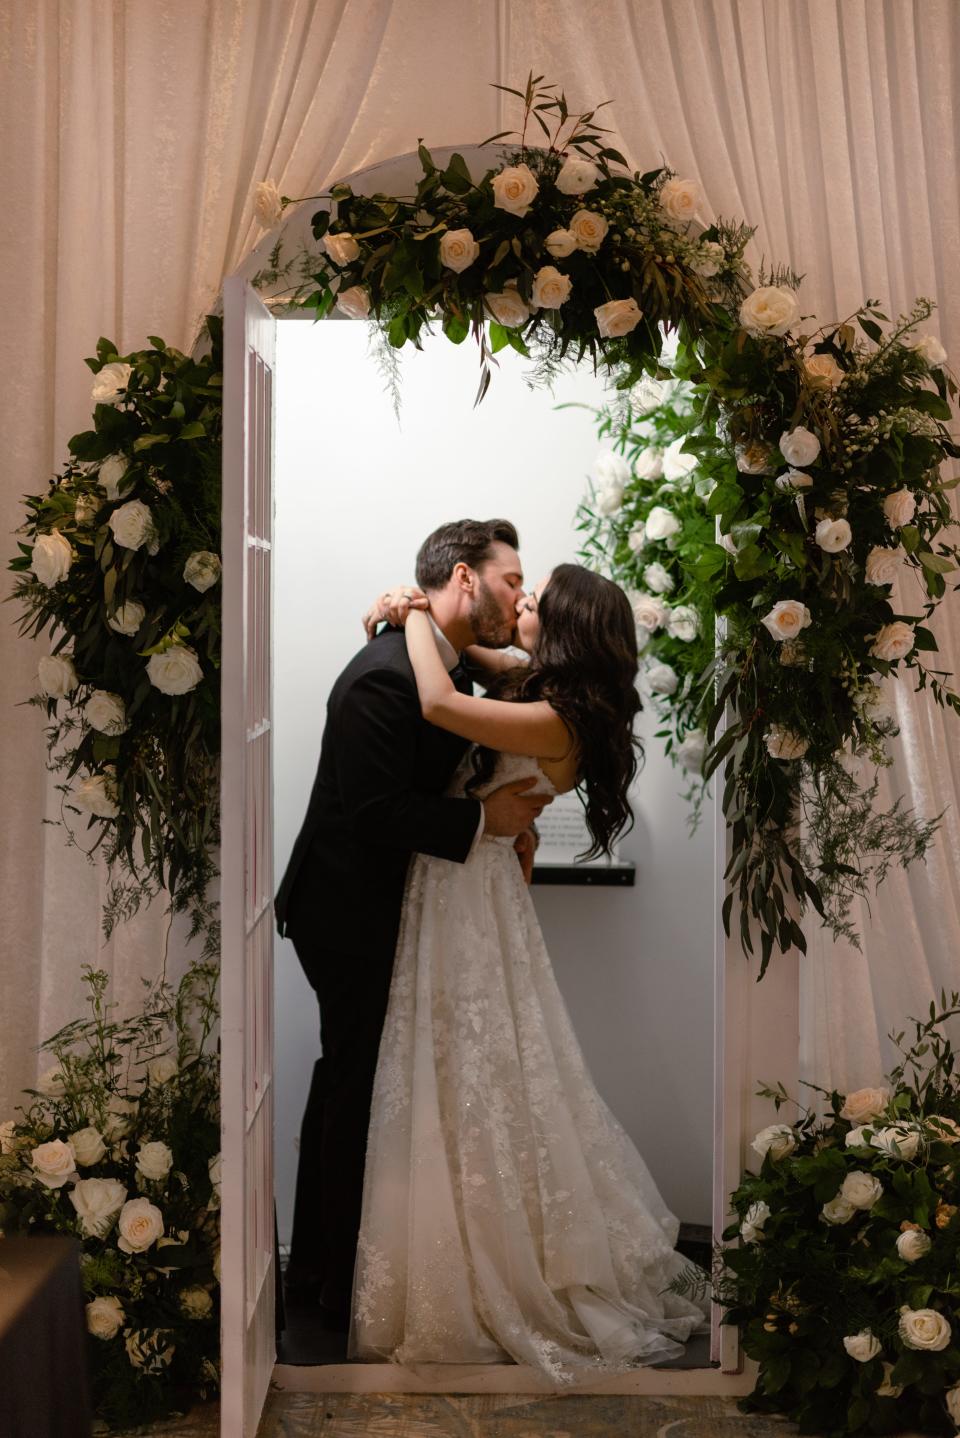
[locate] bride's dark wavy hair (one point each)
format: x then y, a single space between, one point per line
585 666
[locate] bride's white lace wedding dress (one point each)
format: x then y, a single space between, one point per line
506 1214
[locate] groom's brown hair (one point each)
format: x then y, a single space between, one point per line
463 541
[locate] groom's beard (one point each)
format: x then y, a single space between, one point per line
488 623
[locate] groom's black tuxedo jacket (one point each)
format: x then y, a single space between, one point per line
378 798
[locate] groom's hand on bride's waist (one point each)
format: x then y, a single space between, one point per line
510 809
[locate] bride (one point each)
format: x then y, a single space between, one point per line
506 1213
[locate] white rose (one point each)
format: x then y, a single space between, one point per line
608 499
947 1130
679 199
106 713
96 794
57 675
930 348
161 1070
88 1146
202 570
111 472
616 318
893 641
611 468
691 750
121 1114
875 707
577 176
507 307
753 458
515 189
886 1388
52 1082
770 310
784 743
637 537
140 1225
683 623
342 249
914 1244
97 1202
855 1138
860 1189
822 371
105 1316
560 243
458 250
127 618
952 1400
176 671
110 382
676 463
354 302
649 612
786 619
661 679
898 1141
899 508
832 535
51 559
268 205
882 565
54 1163
708 260
862 1346
551 289
657 578
799 446
837 1211
777 1140
864 1104
753 1222
154 1161
8 1134
196 1302
86 508
662 523
649 463
924 1328
215 1172
793 479
649 394
589 230
133 526
144 1350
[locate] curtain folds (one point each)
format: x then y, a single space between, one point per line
133 136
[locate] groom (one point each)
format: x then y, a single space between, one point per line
378 798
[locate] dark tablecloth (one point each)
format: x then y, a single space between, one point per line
43 1337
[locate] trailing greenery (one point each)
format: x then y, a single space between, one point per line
846 1283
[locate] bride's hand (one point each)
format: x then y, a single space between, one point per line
393 606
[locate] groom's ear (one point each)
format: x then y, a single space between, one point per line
464 577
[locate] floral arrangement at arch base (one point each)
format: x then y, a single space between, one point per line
846 1283
120 1148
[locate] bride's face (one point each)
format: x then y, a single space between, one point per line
528 617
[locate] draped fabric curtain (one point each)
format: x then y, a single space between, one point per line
131 137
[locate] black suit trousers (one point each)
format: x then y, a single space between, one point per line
352 991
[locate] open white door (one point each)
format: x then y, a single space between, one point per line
246 978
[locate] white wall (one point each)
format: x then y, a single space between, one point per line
355 496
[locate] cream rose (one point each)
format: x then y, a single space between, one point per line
52 1082
770 310
458 250
354 302
51 559
589 230
507 307
176 671
680 199
822 371
57 676
202 570
560 243
54 1163
952 1400
127 618
551 289
145 1350
677 464
882 565
899 508
649 394
662 523
214 1168
106 713
753 1221
140 1225
708 260
515 189
658 579
784 744
111 382
196 1302
637 537
861 1189
121 1115
649 463
894 641
837 1211
930 349
649 612
786 619
691 750
154 1161
898 1141
111 473
793 479
342 249
856 1139
864 1104
833 535
862 1346
96 794
887 1389
133 526
753 458
162 1069
683 623
88 1146
799 446
661 679
267 205
914 1244
616 318
105 1317
577 175
777 1140
924 1328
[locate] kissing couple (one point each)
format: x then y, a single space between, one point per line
464 1195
